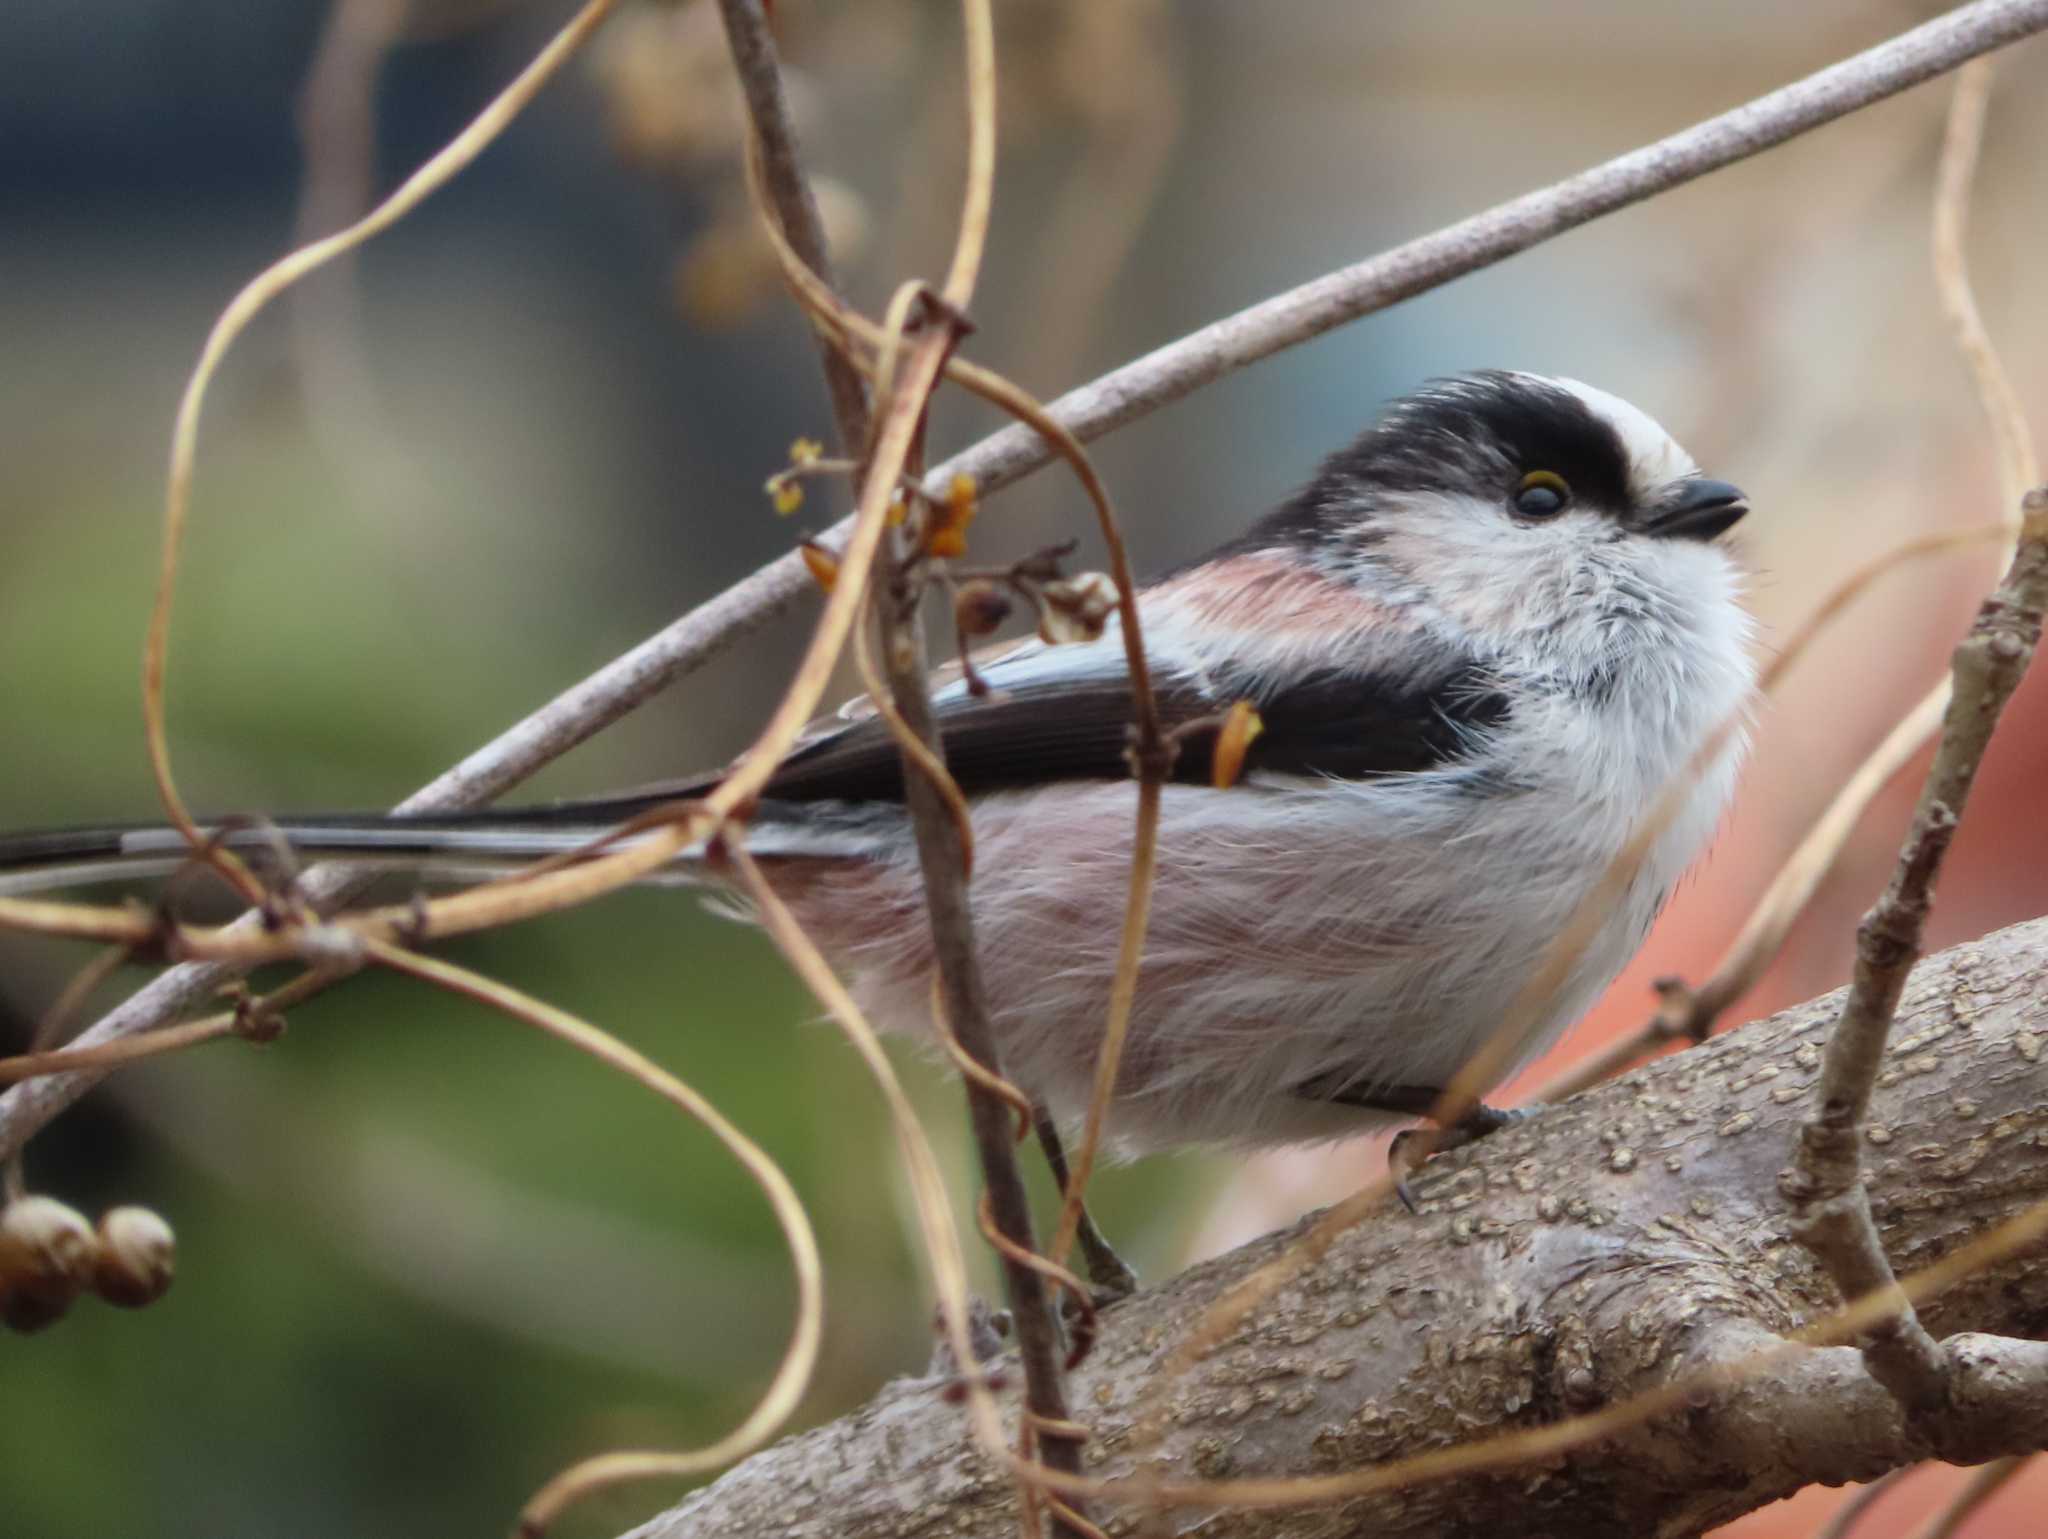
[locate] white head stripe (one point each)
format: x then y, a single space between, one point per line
1655 459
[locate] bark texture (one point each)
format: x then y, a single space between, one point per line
1604 1248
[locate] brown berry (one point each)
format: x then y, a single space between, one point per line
138 1256
979 608
46 1258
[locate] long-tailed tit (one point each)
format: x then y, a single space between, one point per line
1481 640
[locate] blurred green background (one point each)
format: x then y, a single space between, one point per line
427 1258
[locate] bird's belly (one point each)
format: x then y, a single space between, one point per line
1295 935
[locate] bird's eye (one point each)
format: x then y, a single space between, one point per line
1542 494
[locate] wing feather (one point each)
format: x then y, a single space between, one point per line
1065 713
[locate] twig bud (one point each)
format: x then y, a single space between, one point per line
47 1251
138 1256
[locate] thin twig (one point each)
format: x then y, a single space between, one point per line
2018 464
799 1357
1684 1012
1764 933
1851 1512
1131 111
1507 229
1688 1013
438 171
106 1056
1825 1183
942 852
1120 397
1984 1483
934 1209
774 138
254 1018
49 1030
846 328
337 127
1485 1066
447 1232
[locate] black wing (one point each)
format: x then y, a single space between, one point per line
1055 714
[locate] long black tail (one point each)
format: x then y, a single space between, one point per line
482 842
457 845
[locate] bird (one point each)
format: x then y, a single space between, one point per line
1481 640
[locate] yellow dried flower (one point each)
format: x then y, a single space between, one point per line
952 516
824 566
1241 724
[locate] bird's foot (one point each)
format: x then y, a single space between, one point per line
1109 1275
1412 1146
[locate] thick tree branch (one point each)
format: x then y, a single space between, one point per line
1610 1246
1117 398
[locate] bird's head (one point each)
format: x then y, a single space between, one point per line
1519 506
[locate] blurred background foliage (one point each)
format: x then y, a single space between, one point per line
426 1259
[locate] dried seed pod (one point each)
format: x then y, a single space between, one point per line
1077 607
47 1250
980 607
138 1256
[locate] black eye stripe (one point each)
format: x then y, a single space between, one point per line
1472 435
1485 432
1544 428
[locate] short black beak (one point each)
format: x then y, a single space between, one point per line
1697 509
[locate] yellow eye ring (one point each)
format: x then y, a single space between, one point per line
1542 494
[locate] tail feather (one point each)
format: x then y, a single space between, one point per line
459 846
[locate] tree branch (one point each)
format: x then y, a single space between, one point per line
760 72
1120 397
1609 1247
